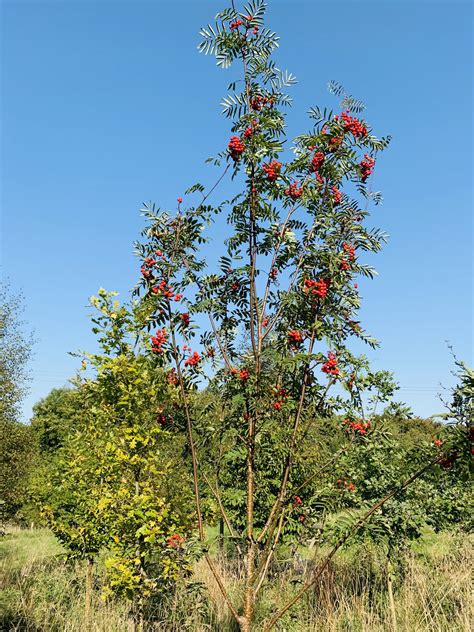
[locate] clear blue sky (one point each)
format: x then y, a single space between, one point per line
108 104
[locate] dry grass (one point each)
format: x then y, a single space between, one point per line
40 592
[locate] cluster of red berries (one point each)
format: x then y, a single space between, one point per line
258 102
185 319
281 394
148 263
272 169
317 161
366 167
330 366
193 359
358 426
158 253
236 23
318 288
249 18
166 290
294 191
250 129
349 486
242 374
295 336
171 377
335 142
236 147
175 541
297 501
438 442
349 250
158 340
353 125
336 196
273 273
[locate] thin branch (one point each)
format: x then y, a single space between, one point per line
319 571
217 496
215 330
270 553
317 473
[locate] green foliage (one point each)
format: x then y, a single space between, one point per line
53 418
115 482
15 351
17 455
16 440
272 449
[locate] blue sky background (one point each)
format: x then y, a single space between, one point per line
107 104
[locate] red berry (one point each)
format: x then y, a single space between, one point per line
236 147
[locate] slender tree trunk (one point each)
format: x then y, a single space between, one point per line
221 534
249 597
89 573
391 600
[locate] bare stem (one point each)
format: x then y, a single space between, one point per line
215 491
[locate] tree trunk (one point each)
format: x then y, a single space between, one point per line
244 624
87 612
221 534
391 600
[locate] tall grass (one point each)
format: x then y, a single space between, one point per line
41 592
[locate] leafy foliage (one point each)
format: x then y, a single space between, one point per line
16 440
114 483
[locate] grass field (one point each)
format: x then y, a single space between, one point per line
432 592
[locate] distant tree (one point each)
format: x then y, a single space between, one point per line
16 440
17 453
15 352
460 420
53 418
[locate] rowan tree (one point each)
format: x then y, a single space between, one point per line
283 305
